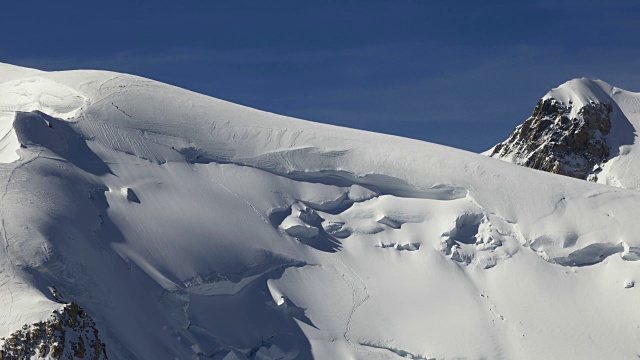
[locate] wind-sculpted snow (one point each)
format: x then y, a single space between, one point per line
188 227
30 94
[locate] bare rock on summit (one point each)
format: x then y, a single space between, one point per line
68 334
559 140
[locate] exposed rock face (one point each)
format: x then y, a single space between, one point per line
68 334
559 140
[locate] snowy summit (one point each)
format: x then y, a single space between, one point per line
143 221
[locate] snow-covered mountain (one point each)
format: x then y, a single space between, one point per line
584 129
185 227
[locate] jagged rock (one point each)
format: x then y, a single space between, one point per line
68 334
559 140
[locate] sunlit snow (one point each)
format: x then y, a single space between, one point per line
193 228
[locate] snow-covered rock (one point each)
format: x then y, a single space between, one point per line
69 333
584 129
552 141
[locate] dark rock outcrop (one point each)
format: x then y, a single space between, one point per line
68 334
555 141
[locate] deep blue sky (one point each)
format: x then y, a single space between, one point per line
460 73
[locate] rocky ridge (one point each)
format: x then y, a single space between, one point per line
559 139
68 334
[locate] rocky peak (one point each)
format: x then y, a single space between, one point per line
68 334
561 137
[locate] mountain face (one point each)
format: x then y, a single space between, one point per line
551 140
175 225
67 334
578 130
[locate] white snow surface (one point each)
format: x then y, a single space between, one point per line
193 228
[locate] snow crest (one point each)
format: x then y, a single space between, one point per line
31 94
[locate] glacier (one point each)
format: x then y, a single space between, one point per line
189 227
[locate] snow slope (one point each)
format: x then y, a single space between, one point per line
191 228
